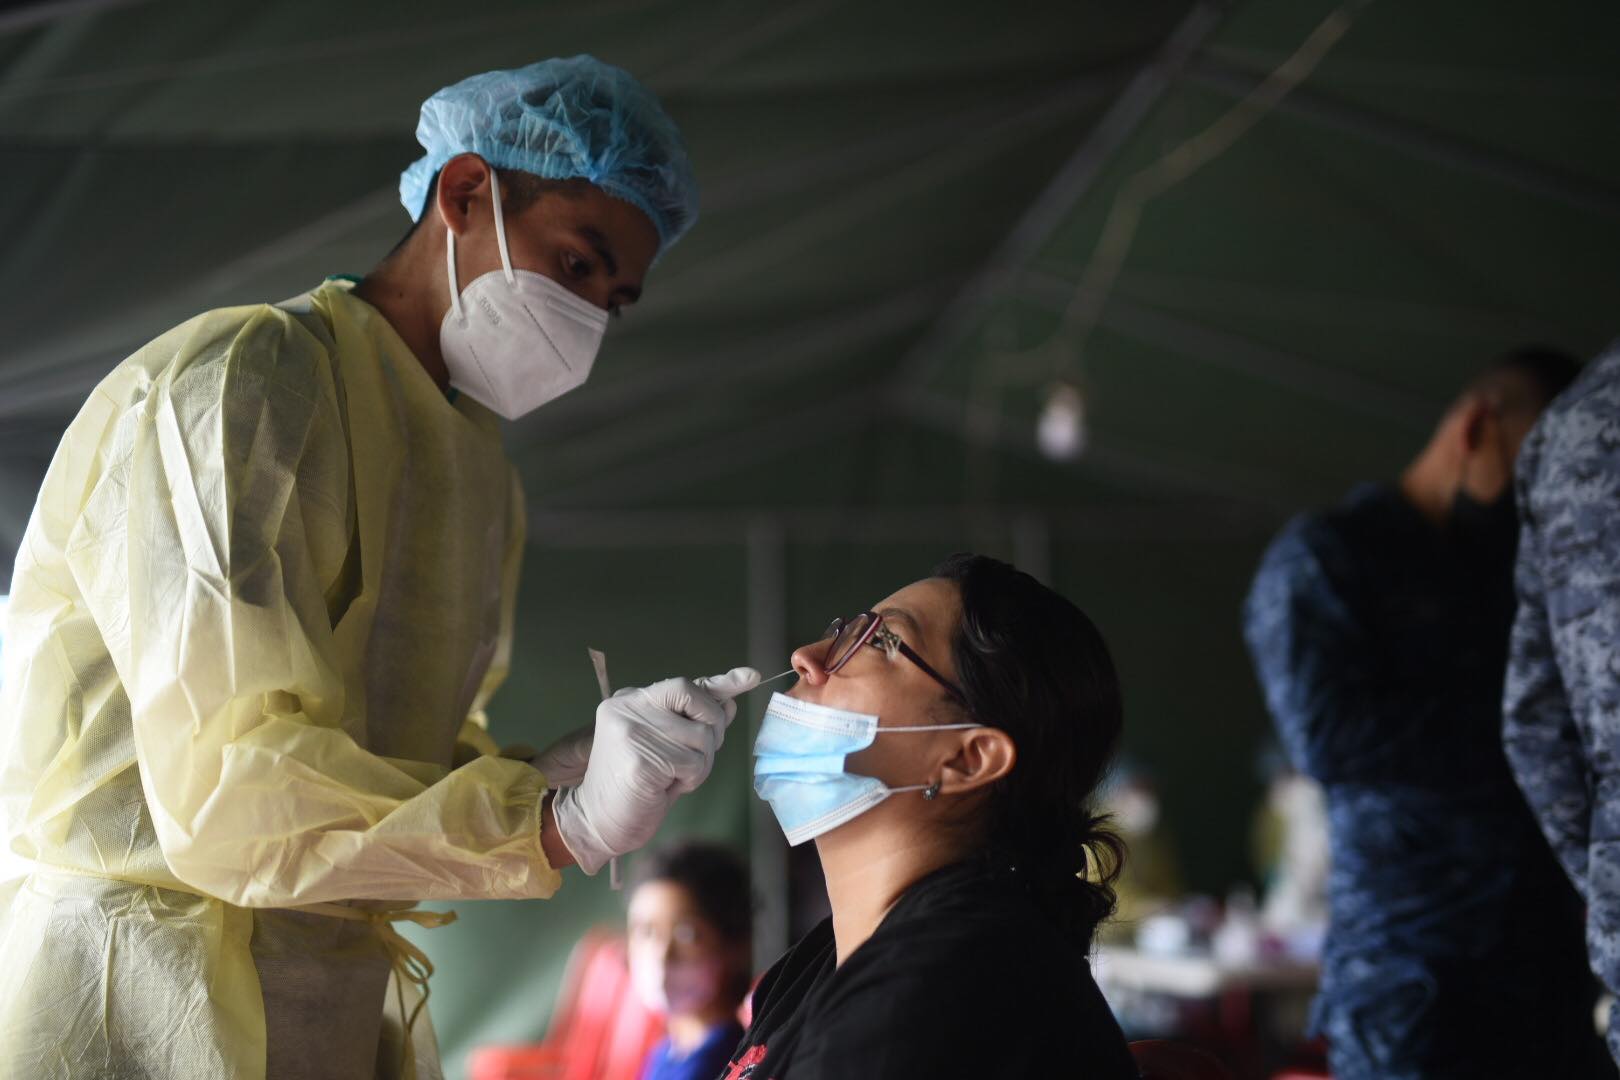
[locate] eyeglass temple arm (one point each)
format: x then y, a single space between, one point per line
911 654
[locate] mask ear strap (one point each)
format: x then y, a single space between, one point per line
500 226
450 273
930 727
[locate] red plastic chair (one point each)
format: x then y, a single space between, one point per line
1308 1063
1161 1059
599 1031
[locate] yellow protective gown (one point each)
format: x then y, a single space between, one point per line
261 602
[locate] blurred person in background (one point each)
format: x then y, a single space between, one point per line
1291 844
265 595
1379 632
943 751
1150 880
690 929
1562 699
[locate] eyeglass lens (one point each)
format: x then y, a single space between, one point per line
846 637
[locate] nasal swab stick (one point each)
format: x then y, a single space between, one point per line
773 678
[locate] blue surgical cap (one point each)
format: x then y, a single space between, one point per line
562 119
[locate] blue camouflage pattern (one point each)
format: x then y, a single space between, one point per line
1561 702
1453 948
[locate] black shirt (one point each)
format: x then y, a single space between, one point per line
965 977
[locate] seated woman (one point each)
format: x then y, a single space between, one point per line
691 927
964 905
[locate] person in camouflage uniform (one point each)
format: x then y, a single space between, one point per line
1561 706
1379 631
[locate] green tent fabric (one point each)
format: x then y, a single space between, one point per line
830 383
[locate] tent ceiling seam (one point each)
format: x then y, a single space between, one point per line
1217 347
1067 186
952 416
595 529
777 434
1419 141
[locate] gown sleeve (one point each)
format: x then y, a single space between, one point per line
257 793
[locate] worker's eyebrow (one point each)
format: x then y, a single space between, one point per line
604 250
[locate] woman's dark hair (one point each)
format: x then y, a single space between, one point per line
1032 664
717 879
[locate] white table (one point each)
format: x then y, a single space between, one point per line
1199 976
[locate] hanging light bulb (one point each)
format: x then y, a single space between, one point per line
1061 430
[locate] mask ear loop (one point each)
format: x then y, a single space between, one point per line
929 791
500 227
450 274
500 241
928 727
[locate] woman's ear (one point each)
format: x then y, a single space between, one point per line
984 755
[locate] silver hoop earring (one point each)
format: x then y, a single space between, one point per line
931 792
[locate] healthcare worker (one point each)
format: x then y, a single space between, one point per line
265 595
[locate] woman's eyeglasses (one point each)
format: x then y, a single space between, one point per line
848 635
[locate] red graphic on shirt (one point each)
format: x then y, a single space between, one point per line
743 1068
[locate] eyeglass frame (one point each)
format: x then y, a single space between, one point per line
836 627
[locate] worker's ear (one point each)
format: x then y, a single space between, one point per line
463 185
1473 423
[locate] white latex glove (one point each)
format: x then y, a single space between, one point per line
651 745
563 762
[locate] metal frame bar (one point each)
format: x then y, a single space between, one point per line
776 245
793 350
1134 464
688 69
816 421
1216 347
1067 187
43 380
766 542
860 157
51 10
322 231
1418 141
331 49
589 529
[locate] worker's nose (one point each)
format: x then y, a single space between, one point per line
599 293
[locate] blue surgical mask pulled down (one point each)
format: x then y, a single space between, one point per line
799 765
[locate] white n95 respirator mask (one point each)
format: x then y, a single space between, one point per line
515 339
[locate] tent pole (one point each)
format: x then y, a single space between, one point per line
767 648
1032 546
